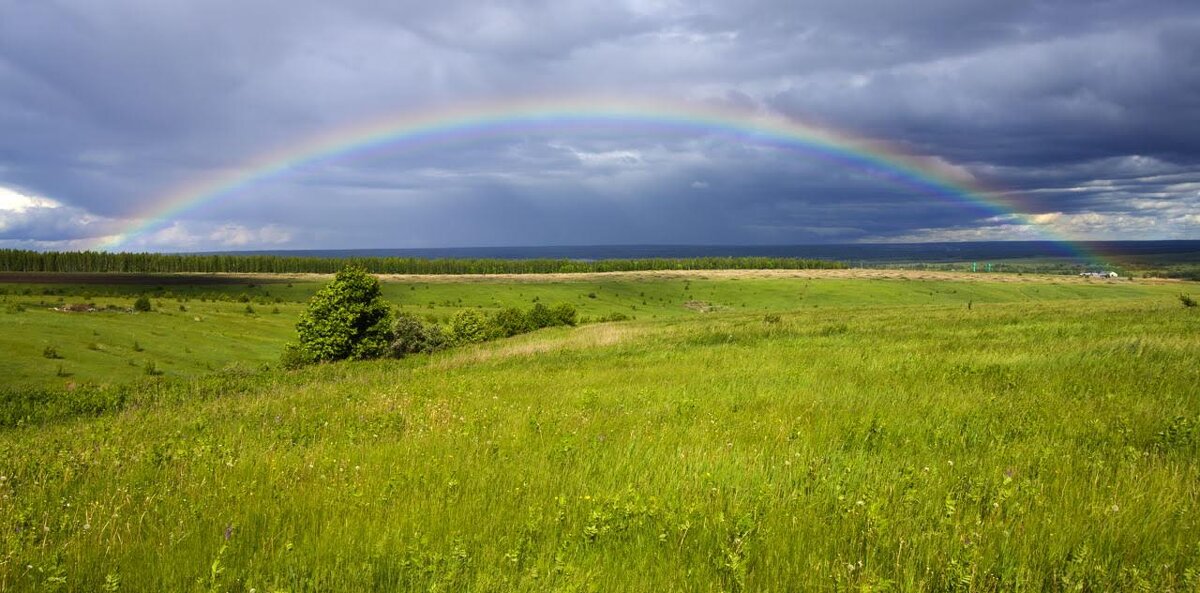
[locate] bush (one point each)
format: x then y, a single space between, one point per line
564 314
614 316
347 318
509 322
142 304
1187 300
436 338
51 352
539 316
294 357
409 335
468 326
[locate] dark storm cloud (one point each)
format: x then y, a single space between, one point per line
1086 110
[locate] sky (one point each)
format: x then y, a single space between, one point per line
1084 114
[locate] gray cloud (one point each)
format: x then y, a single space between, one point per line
1085 110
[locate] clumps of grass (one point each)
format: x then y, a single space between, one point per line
51 352
772 318
834 330
137 346
61 372
1186 300
142 304
249 309
150 369
614 316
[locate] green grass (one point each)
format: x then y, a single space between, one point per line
891 443
115 347
215 331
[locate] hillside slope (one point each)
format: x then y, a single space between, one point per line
1044 445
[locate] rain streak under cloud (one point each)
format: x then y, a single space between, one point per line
1086 112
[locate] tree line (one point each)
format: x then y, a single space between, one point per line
17 260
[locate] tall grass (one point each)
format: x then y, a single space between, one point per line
1040 446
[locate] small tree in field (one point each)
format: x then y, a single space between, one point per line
347 318
508 322
564 314
411 336
468 326
539 316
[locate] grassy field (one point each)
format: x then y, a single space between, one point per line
877 435
201 323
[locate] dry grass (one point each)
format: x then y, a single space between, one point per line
855 273
589 336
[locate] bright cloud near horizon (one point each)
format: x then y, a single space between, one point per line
1084 112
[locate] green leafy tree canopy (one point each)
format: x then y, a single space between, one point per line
347 318
468 326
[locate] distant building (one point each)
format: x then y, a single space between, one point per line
1098 274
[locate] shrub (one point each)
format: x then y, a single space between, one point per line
51 352
347 318
409 335
614 316
468 326
142 304
151 369
294 357
772 318
249 309
436 338
509 322
1187 300
539 316
564 314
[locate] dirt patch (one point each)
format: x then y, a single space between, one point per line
701 306
90 308
135 279
194 279
856 273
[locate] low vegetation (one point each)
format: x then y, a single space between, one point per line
349 320
1024 445
188 332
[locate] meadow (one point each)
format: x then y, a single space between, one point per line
816 432
203 323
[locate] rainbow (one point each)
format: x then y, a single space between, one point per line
411 130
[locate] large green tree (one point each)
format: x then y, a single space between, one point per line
347 318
